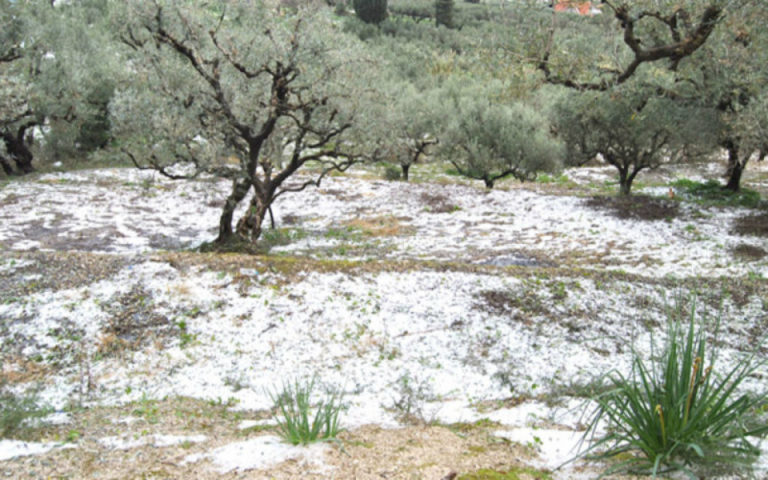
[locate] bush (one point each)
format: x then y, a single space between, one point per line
392 172
676 413
371 11
297 425
340 8
444 12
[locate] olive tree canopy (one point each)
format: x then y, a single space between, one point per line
488 136
57 71
242 92
632 129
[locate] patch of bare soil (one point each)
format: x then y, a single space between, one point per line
381 226
438 203
498 302
134 323
636 207
748 252
756 225
55 271
371 452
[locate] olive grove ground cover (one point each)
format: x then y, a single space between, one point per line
470 305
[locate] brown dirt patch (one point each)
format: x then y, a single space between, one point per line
752 225
383 226
438 203
499 302
56 271
20 369
134 323
636 207
366 453
748 252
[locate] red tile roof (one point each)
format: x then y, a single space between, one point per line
584 8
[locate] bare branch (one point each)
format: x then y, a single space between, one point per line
680 48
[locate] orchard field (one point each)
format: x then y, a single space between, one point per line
459 240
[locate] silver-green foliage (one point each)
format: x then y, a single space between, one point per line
297 423
411 116
444 13
249 94
57 70
489 137
678 411
370 11
633 129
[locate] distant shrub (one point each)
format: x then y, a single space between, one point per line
444 13
364 31
340 8
371 11
676 412
392 172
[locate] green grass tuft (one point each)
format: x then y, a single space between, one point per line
296 423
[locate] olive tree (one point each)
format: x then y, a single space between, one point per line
611 49
411 116
731 75
243 93
57 73
632 129
709 53
15 114
488 137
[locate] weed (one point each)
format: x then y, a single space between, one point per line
297 425
712 193
15 410
185 338
675 413
147 409
410 404
561 179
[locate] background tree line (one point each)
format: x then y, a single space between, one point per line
259 93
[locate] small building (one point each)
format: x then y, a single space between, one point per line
576 6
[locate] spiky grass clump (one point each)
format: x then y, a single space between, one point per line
296 423
676 412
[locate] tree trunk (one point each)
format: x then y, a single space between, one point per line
249 227
488 183
6 165
625 183
405 169
735 167
734 177
18 152
239 191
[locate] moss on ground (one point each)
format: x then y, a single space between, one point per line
516 473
